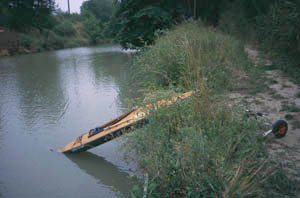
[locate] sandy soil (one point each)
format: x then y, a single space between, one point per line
280 91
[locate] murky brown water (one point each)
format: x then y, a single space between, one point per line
48 99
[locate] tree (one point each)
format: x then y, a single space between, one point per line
92 28
101 9
22 14
4 13
138 21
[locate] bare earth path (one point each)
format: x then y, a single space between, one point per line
280 101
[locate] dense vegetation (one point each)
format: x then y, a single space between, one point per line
41 26
273 24
132 15
200 147
23 14
67 31
203 147
278 19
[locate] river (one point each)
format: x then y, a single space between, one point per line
48 99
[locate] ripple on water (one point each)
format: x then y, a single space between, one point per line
48 99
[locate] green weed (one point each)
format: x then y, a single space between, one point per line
275 95
272 82
270 67
198 147
183 57
65 29
289 108
296 124
68 32
278 184
289 117
29 41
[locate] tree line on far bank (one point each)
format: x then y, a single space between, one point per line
43 26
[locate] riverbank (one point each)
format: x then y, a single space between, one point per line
68 31
204 146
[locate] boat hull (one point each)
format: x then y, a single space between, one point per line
106 138
124 123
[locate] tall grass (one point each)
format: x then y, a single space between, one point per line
199 147
188 54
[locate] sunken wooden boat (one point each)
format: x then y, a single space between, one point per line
133 119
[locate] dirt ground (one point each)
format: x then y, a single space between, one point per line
279 102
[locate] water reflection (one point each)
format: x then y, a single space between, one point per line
107 65
41 94
48 99
110 65
104 171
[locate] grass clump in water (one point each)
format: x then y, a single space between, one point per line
199 147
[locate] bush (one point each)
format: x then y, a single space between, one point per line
65 29
280 27
132 32
279 32
52 40
188 54
76 42
93 29
234 22
198 147
73 17
275 25
31 42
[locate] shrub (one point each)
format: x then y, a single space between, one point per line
31 42
279 31
188 54
280 27
199 147
93 29
234 22
76 42
65 29
132 32
275 25
52 40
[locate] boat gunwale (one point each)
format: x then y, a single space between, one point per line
116 125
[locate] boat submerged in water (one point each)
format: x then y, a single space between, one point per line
134 118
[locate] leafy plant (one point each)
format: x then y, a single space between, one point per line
132 26
198 147
65 29
188 54
289 108
93 28
101 9
30 42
